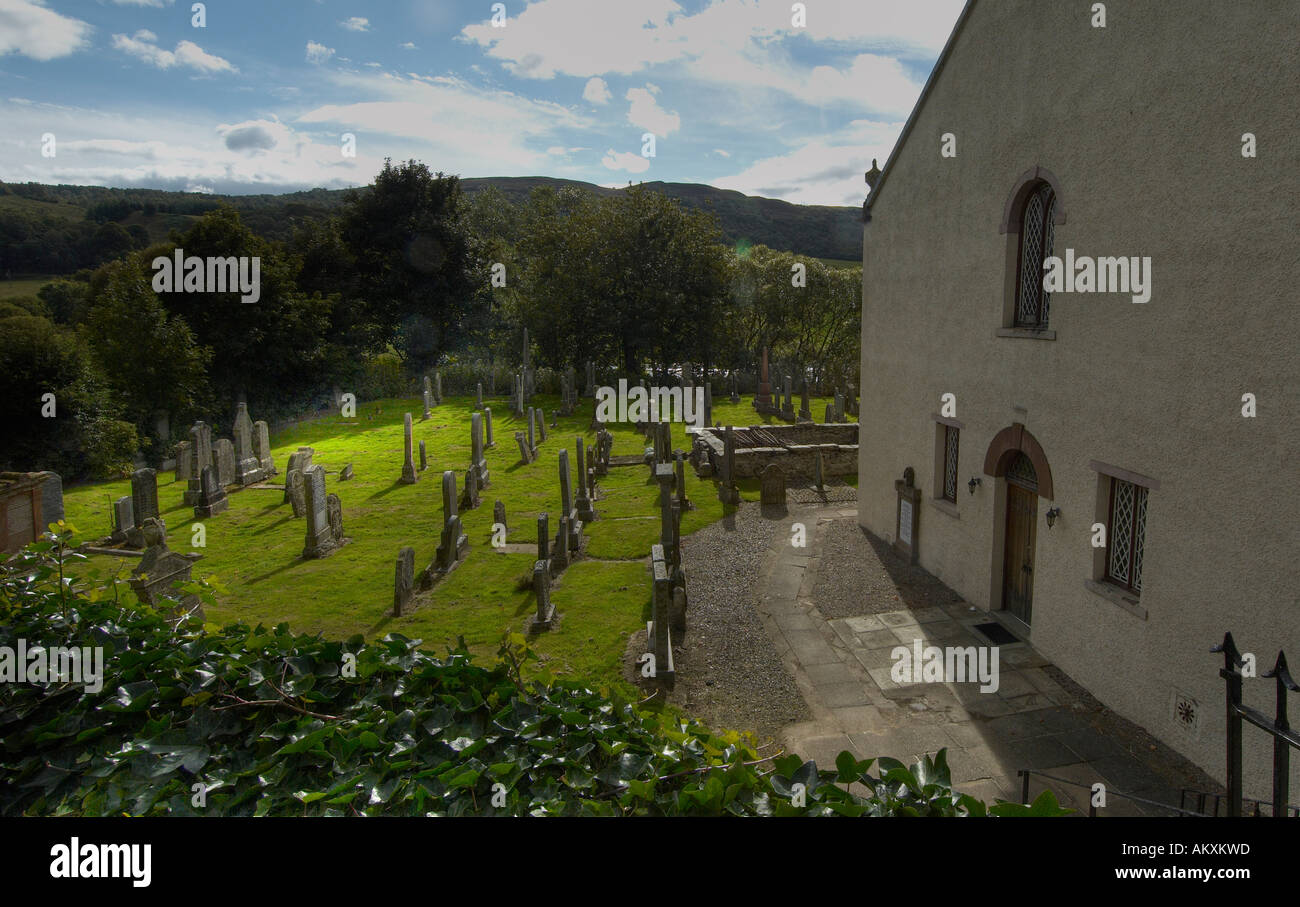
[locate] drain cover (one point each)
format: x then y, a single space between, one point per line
997 634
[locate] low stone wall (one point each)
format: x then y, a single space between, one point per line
792 447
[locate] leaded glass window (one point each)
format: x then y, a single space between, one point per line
950 442
1128 517
1036 235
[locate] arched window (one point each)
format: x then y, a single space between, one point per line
1036 230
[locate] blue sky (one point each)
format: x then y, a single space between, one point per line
736 94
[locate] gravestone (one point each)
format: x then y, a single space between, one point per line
144 495
735 392
427 395
544 537
345 473
545 616
200 457
658 634
787 405
404 576
223 451
682 500
212 496
182 461
763 400
805 411
487 427
908 516
591 472
586 512
568 512
320 538
123 518
470 499
248 469
454 544
424 457
409 475
532 437
560 550
499 515
772 486
262 448
160 570
294 486
299 460
839 407
478 463
334 513
525 455
478 396
541 426
437 388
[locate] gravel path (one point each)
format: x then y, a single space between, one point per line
728 673
861 575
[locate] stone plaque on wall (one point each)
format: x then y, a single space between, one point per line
909 499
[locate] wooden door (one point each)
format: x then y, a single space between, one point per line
1018 553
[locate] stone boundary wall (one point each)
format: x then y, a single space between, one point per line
792 447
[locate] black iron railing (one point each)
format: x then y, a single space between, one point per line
1279 728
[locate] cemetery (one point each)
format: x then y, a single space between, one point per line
313 543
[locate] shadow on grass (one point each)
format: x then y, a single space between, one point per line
397 483
278 570
272 526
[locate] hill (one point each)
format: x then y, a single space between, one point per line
818 230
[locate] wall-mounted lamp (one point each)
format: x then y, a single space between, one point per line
973 484
1052 515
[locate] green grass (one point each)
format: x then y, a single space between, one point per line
253 549
23 286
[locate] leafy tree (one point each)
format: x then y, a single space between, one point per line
412 257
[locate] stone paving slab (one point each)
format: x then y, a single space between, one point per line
843 668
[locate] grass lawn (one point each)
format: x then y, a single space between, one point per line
23 286
253 549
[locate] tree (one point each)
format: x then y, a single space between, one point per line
412 259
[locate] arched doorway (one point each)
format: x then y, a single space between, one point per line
1015 457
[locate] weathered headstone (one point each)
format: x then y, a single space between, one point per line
427 395
409 475
787 405
478 396
144 495
560 550
735 390
541 425
294 485
763 400
499 515
212 496
160 570
544 537
262 448
345 473
320 538
525 455
586 511
839 407
200 457
487 427
569 513
299 460
248 469
545 615
830 412
455 544
532 437
424 457
470 499
223 453
404 579
772 486
334 513
123 518
478 463
437 387
183 455
805 410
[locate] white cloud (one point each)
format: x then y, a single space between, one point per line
318 53
596 91
719 151
28 28
457 126
187 53
646 112
356 23
625 160
156 4
409 45
827 170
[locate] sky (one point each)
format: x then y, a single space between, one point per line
739 94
